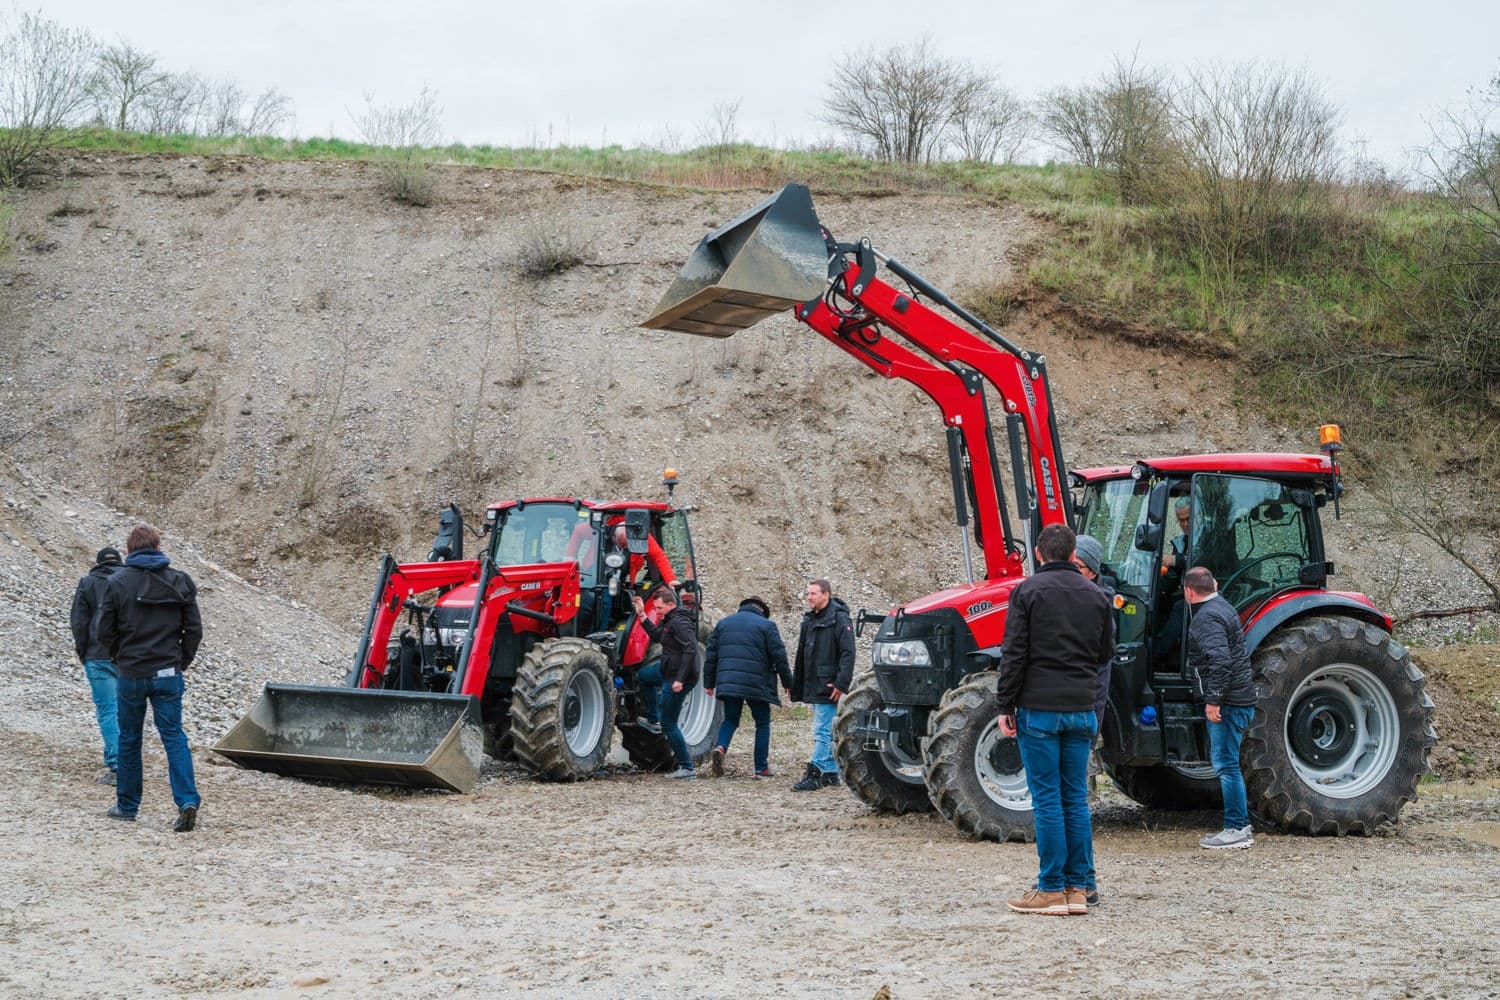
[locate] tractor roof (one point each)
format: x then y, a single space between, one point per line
1269 463
611 506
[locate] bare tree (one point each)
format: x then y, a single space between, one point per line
404 135
900 102
123 75
172 106
271 110
991 124
45 69
1073 120
1135 105
220 111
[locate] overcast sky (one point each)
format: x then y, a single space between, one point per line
593 72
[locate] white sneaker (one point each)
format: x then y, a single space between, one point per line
684 774
1228 840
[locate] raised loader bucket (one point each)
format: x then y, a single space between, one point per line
361 735
766 261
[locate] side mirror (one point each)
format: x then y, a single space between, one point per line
1148 536
638 531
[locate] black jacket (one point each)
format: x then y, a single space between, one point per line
825 653
745 656
1059 636
678 634
85 602
1216 652
148 616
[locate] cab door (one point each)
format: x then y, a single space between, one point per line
1255 535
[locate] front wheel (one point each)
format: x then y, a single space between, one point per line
887 780
974 773
1342 728
562 710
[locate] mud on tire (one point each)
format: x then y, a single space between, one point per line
562 710
1342 728
884 783
974 775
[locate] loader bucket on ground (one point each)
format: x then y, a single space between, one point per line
360 735
762 263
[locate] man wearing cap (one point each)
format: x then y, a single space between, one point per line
98 665
745 659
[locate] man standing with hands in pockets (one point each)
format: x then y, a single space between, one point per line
1058 638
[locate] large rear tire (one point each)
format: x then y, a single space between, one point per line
562 710
699 719
1169 786
974 774
882 779
1342 728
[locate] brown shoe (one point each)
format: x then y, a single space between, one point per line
1049 904
717 761
1078 902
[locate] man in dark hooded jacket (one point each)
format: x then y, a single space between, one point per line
148 619
97 665
823 672
677 630
745 658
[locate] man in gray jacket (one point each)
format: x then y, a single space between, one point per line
1216 652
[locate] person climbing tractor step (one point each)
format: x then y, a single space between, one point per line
677 631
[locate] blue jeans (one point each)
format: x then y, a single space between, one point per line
165 696
760 711
1224 750
823 759
648 680
671 714
102 677
1055 751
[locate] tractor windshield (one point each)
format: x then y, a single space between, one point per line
1112 511
542 533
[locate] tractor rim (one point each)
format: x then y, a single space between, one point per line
906 768
583 713
1342 730
997 762
696 717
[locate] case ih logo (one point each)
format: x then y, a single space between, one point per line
531 586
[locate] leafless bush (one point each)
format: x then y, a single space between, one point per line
123 75
1254 159
553 238
45 69
1121 123
991 124
721 131
334 363
902 101
1073 121
404 135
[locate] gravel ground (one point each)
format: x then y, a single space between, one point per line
642 887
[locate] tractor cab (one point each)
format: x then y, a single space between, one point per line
1251 519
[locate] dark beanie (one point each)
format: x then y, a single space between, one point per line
108 556
759 605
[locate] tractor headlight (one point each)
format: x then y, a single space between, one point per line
909 653
453 636
615 559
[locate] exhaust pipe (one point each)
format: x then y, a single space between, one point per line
766 261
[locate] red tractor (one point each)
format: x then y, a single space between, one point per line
542 672
1343 726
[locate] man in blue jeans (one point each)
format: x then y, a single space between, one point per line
97 665
148 619
1059 636
744 660
1226 684
823 671
676 628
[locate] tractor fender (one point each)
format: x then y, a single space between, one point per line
1289 606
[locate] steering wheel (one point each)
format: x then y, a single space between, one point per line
1224 585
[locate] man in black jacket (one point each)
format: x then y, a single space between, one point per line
148 619
1221 664
745 658
677 631
97 665
823 672
1058 637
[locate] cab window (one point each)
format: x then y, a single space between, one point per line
1250 534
